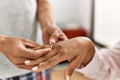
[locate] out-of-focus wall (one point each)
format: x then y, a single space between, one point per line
78 11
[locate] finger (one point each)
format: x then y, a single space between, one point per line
19 60
22 66
49 63
41 47
42 58
54 37
30 43
63 37
72 66
34 54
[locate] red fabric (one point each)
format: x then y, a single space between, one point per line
70 33
39 76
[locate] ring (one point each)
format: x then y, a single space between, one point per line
51 46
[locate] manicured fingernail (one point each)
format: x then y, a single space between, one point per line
52 41
68 77
42 63
35 68
27 62
47 49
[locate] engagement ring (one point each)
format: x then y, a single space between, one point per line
51 46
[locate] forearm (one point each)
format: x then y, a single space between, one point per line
2 38
44 13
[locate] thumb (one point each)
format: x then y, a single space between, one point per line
72 66
55 36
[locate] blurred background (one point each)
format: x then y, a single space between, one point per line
72 14
97 19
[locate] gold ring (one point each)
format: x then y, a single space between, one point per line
51 46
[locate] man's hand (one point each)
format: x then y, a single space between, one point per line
53 34
18 50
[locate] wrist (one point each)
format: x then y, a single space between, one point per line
48 26
2 39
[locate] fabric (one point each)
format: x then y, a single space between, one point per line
17 18
105 65
28 76
44 75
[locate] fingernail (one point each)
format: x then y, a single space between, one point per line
47 49
41 64
27 62
68 77
35 68
52 41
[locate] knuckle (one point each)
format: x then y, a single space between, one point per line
60 46
63 52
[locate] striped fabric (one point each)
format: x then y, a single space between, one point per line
44 75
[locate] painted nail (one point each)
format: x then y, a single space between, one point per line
47 49
68 77
41 64
27 62
52 41
35 68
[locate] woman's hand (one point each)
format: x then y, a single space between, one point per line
53 34
78 51
18 50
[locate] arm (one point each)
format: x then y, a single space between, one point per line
44 14
105 64
50 30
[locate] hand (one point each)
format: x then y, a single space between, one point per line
18 50
78 51
53 34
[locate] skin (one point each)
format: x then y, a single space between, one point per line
78 51
50 31
18 50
